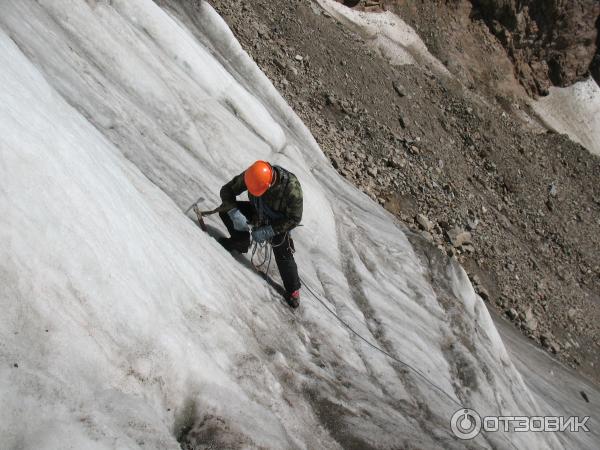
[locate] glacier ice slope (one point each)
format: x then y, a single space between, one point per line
132 328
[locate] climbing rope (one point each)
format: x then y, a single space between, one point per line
268 245
256 249
389 355
267 248
377 348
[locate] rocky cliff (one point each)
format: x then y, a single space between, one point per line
551 42
595 67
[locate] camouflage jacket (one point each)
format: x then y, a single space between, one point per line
280 207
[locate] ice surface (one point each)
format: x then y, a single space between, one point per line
554 386
131 328
575 111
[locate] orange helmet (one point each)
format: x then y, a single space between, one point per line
258 178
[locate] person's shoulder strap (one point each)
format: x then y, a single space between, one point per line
284 176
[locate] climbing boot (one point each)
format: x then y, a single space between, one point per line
293 299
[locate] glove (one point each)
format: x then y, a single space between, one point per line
240 222
262 234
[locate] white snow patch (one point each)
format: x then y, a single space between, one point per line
388 34
574 111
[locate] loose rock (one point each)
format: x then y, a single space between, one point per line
425 223
458 237
512 314
399 89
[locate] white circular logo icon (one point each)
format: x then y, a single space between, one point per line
465 424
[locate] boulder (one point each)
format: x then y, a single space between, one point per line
399 89
424 222
512 313
427 235
459 237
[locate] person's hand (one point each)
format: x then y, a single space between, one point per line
240 223
262 234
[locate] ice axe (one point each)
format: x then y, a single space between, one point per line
200 199
201 214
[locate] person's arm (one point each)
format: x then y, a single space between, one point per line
293 209
231 190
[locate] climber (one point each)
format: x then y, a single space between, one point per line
274 209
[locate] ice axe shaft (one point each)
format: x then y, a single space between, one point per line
201 214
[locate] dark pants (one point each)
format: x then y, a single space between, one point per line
283 247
